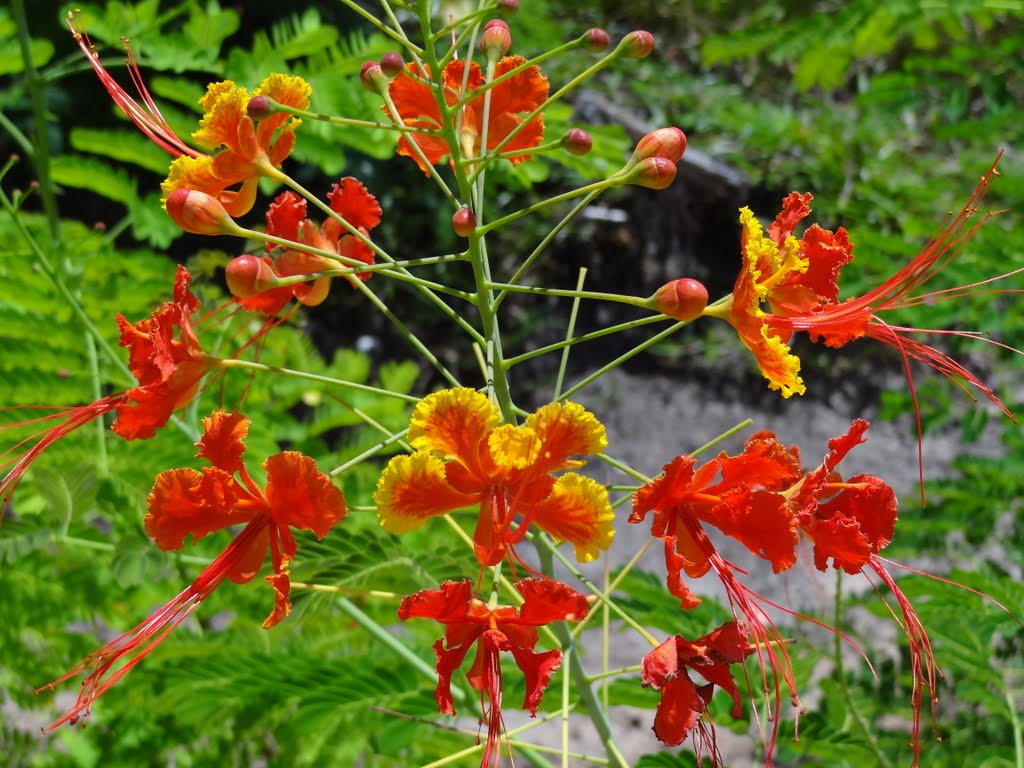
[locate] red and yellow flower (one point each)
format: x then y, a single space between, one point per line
187 502
522 93
465 457
470 623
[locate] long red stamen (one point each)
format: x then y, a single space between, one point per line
133 646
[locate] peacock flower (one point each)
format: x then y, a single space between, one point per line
187 502
165 357
512 98
464 457
246 149
745 504
683 703
470 622
850 522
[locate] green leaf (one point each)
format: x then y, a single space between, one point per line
95 176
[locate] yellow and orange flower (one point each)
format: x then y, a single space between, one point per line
520 95
246 149
465 457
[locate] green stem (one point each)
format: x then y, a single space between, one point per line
254 366
612 329
619 298
468 751
615 583
398 37
598 186
102 466
1015 722
373 451
615 673
570 331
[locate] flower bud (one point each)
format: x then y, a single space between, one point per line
199 213
577 142
464 222
596 40
669 143
372 76
508 8
682 299
496 38
260 107
391 63
653 173
249 275
637 44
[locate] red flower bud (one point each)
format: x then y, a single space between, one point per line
464 222
682 299
669 143
249 275
596 40
496 38
199 213
637 44
653 173
391 63
373 78
260 107
508 8
577 142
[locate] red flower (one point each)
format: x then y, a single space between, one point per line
683 703
470 622
166 359
519 95
850 522
186 502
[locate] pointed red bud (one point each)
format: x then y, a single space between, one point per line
653 173
508 8
249 275
596 40
260 107
577 142
371 74
637 44
200 213
496 38
682 299
464 222
391 63
669 143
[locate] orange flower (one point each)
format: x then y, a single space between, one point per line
286 219
470 623
746 504
246 150
521 94
504 470
683 704
166 358
186 502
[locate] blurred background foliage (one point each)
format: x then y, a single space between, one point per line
887 112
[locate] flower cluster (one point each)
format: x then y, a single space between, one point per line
473 457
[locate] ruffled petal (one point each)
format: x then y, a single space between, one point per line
282 605
547 600
300 496
415 103
284 216
223 440
446 605
513 448
353 202
185 502
412 489
224 107
577 511
537 669
454 423
566 429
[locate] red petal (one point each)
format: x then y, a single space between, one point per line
537 669
284 216
300 496
223 440
795 207
679 711
446 605
282 605
448 660
185 502
546 600
355 204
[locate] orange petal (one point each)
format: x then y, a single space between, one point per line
224 109
454 423
566 429
185 502
353 202
282 605
519 95
223 440
577 511
301 496
412 489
